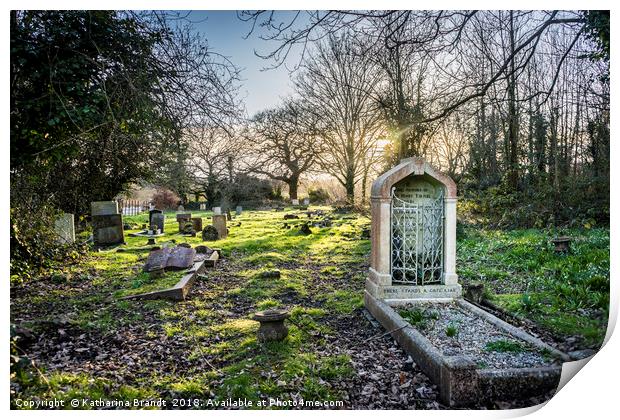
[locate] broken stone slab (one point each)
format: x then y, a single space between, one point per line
170 258
179 291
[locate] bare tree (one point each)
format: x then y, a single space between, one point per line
282 144
334 80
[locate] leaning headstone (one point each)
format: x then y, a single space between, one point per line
295 202
102 208
65 228
238 210
159 220
306 201
209 233
217 210
219 221
228 215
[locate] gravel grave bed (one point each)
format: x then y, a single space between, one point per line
456 331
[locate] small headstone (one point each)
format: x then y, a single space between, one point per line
65 229
159 220
219 222
151 213
183 217
181 209
197 223
306 201
103 208
209 233
295 202
203 206
108 229
217 210
238 210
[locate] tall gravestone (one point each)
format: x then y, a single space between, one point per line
65 228
107 223
238 210
413 234
219 222
159 220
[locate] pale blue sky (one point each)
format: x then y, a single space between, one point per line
225 34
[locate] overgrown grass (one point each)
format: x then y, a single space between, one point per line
321 279
567 294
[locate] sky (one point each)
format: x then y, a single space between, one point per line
225 34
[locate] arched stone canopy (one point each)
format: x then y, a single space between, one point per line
380 281
382 186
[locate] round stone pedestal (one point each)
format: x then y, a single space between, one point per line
562 244
272 326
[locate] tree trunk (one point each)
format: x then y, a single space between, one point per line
513 128
293 184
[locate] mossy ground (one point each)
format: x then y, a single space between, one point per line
94 345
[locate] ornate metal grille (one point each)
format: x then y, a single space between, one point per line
417 241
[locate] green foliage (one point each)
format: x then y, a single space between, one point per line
569 294
598 30
34 244
318 195
452 330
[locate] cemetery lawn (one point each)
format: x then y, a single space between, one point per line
88 343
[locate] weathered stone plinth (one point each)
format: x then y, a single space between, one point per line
272 326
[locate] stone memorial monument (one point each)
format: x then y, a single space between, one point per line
217 210
219 222
306 201
107 223
203 206
295 202
238 210
65 228
413 234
